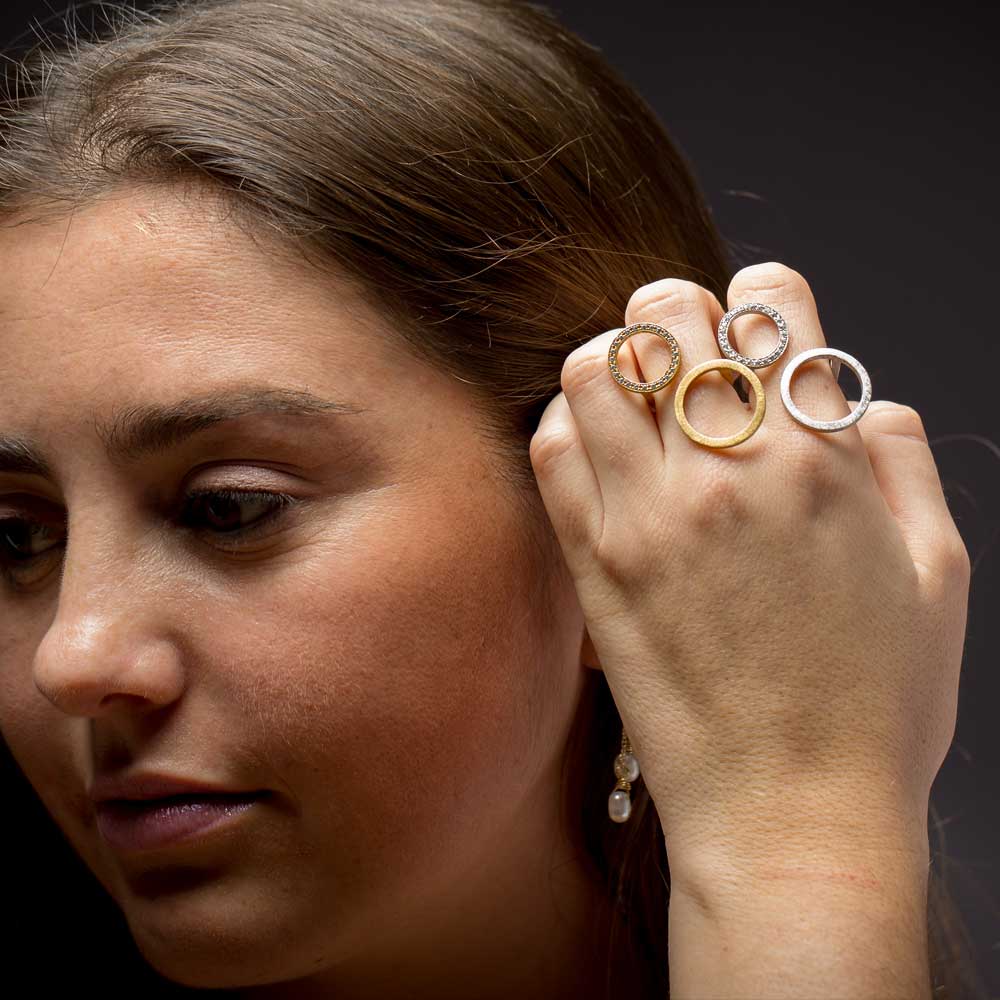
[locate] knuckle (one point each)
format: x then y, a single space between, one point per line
771 276
674 297
581 367
812 458
956 556
896 418
938 586
613 564
547 447
618 559
818 480
948 568
719 505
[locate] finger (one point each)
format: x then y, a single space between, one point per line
815 389
622 430
617 430
908 478
692 314
566 480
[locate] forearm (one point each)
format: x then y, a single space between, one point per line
846 925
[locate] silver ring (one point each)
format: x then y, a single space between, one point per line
752 307
826 352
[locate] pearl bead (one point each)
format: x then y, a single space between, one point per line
632 763
619 805
627 767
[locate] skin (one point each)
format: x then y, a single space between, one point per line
375 659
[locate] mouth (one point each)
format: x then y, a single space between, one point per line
138 805
130 825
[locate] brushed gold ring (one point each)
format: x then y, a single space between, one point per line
720 364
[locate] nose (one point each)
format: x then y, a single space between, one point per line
109 646
99 663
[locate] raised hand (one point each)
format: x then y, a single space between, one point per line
781 622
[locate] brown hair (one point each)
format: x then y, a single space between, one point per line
483 176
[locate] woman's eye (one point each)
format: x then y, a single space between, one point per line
218 513
18 553
16 539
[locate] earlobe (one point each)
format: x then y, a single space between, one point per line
588 655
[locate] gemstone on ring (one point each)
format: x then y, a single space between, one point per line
826 352
764 310
630 331
713 365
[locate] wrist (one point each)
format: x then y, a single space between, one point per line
721 886
819 905
846 924
792 848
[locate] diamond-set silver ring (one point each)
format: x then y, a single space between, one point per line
740 383
752 307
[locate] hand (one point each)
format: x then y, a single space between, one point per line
781 622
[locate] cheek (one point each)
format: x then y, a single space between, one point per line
403 687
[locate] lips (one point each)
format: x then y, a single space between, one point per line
169 821
148 785
133 807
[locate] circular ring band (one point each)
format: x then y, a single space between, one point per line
826 352
752 307
708 366
631 331
722 336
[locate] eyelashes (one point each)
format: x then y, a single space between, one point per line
197 500
201 511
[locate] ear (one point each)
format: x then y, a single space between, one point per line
588 655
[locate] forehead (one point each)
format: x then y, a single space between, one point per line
150 252
144 297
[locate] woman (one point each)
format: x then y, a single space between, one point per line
323 499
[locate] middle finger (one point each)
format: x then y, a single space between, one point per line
692 314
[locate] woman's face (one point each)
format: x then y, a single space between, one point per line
374 656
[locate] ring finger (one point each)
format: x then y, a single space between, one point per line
814 386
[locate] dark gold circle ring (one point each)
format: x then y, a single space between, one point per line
631 331
707 366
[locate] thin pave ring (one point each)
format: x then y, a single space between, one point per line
631 331
826 352
708 366
722 336
752 307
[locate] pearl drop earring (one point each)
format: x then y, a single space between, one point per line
626 771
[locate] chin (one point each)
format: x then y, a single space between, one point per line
206 934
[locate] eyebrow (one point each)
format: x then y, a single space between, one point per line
141 430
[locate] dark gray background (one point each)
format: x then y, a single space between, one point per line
859 147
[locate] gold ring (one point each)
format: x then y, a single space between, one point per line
697 372
631 331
